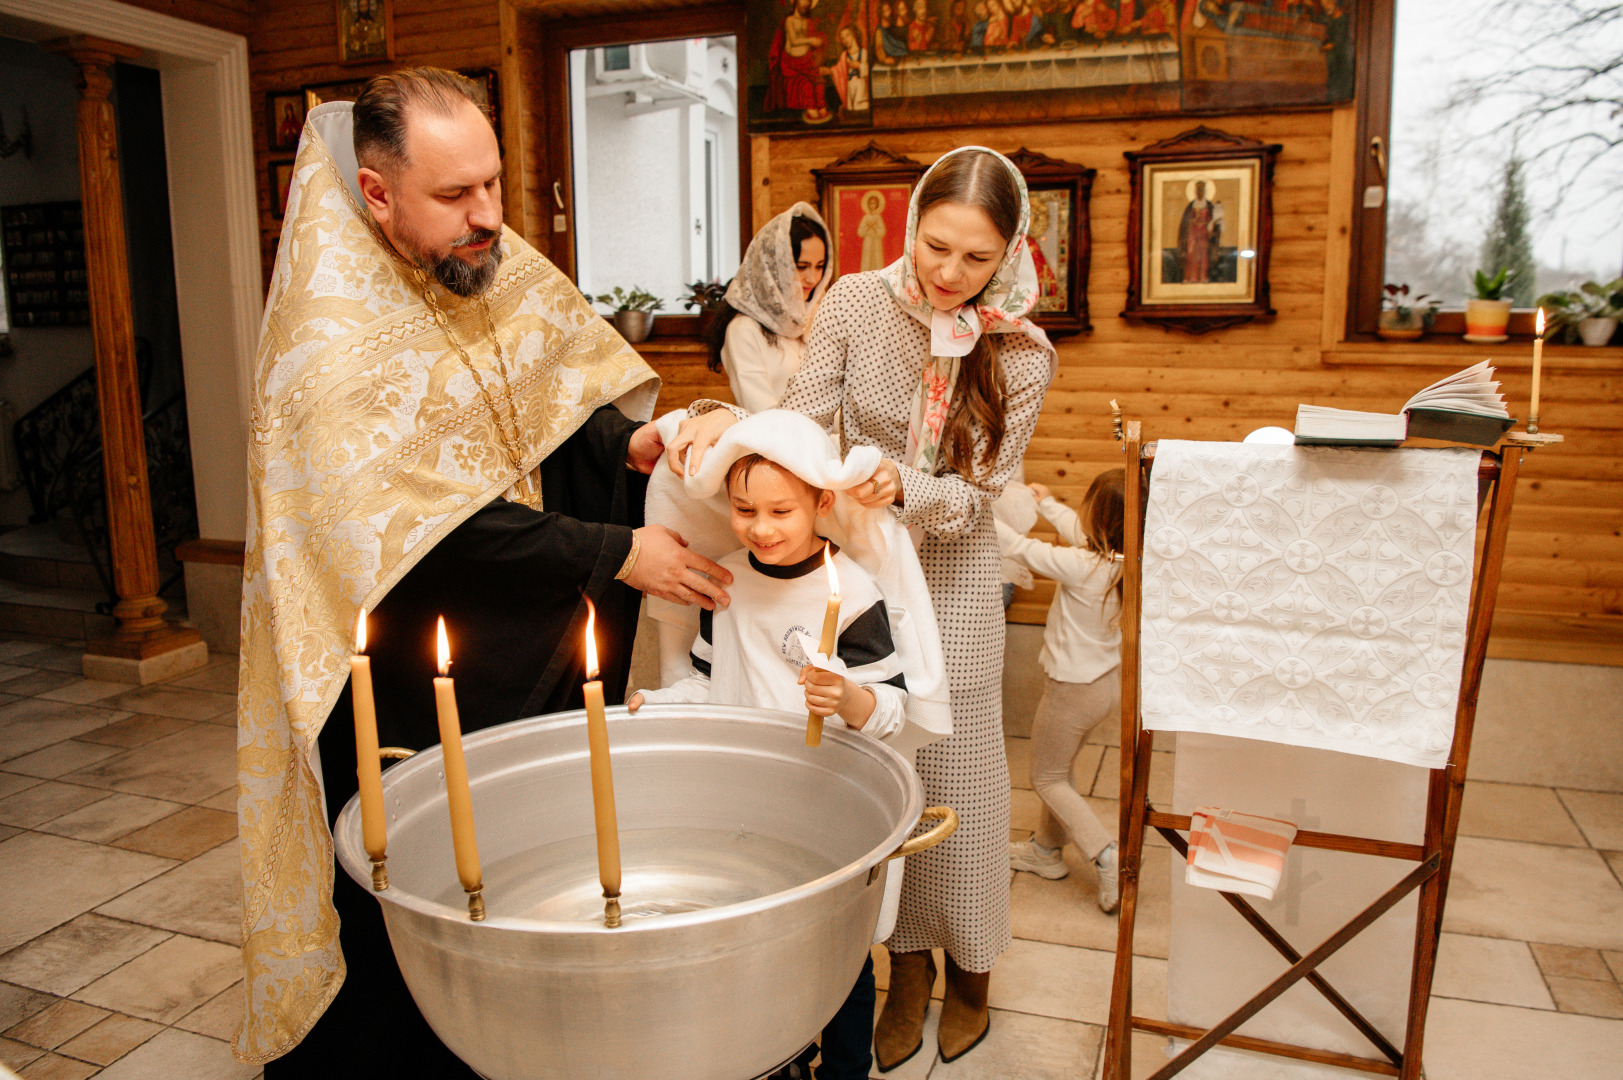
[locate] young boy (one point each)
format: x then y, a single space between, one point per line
752 653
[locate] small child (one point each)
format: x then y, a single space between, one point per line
750 653
1082 659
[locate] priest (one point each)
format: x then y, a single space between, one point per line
441 426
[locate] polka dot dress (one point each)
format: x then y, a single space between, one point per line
862 364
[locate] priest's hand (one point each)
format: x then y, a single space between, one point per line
666 568
882 488
645 449
696 435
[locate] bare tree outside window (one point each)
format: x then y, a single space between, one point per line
1479 86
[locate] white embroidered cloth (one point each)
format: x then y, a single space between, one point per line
1313 596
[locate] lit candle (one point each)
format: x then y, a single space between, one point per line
368 767
457 795
1538 362
597 738
831 629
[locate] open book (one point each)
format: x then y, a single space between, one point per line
1465 407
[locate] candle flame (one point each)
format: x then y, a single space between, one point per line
591 639
828 561
360 631
445 649
1538 327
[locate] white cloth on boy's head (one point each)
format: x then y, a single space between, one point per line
697 508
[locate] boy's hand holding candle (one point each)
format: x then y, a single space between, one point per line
829 692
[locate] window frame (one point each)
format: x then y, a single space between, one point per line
562 35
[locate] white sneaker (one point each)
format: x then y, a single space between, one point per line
1109 867
1029 856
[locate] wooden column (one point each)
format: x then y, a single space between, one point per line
143 634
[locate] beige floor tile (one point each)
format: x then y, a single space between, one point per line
1147 1055
219 1018
1583 753
1614 859
1490 969
921 1064
220 677
56 1024
188 766
1516 812
1587 996
105 821
1028 1047
55 657
11 783
77 953
1066 912
1568 962
1599 814
1468 1040
183 835
225 800
85 691
15 1055
35 806
11 650
180 1055
61 758
202 898
1025 809
1614 962
1109 777
8 831
137 731
33 723
51 879
1502 888
168 981
1023 679
18 1003
27 682
111 1039
1018 752
57 1067
1071 984
180 703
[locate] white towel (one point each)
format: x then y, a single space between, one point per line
697 507
1234 852
1314 596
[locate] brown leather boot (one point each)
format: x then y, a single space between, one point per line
900 1031
964 1018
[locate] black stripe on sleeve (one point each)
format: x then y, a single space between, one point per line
867 641
707 636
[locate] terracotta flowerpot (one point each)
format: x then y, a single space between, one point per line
634 326
1486 321
1596 331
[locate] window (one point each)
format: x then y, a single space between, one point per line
1490 150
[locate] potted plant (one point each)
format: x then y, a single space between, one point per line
1591 312
1403 318
1487 315
633 311
707 297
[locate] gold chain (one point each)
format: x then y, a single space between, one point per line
526 488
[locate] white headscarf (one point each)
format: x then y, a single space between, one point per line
1002 307
767 288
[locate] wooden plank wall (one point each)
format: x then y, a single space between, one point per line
1562 597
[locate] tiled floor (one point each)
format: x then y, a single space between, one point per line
119 895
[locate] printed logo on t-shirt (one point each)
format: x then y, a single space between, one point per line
793 654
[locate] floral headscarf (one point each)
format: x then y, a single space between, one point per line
766 288
1002 307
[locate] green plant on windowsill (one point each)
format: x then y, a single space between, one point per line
1492 288
1591 311
1405 318
1487 314
633 311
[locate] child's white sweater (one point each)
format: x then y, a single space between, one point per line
1079 643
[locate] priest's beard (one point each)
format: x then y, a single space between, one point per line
458 275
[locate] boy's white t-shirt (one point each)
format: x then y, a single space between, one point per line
750 653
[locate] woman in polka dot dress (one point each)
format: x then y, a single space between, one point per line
934 361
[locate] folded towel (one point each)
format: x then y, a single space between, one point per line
1234 852
1310 596
697 508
